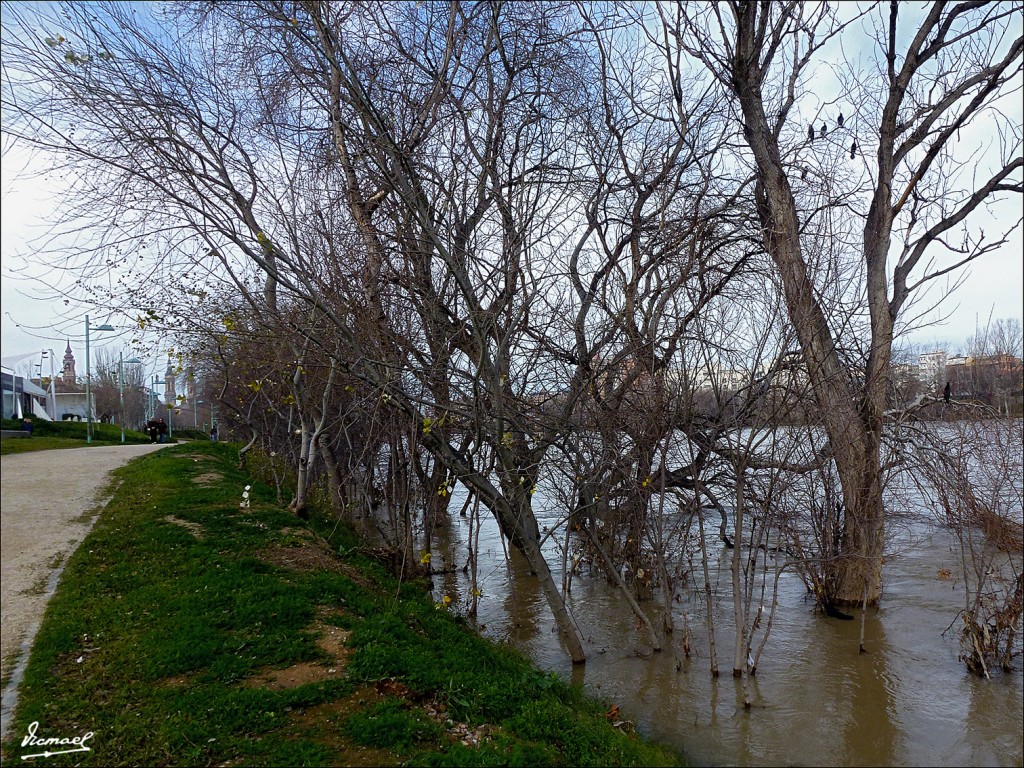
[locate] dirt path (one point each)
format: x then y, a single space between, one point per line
44 498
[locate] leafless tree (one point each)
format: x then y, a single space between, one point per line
944 77
969 471
414 246
117 390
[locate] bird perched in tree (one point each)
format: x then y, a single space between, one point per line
810 133
803 173
824 130
839 122
853 149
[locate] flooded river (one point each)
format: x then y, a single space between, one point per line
816 699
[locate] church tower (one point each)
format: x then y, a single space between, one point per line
67 375
169 393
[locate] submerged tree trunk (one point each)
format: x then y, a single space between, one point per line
856 575
566 629
634 606
519 525
851 415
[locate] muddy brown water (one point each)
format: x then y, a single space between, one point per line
816 699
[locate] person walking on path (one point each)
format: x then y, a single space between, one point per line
162 426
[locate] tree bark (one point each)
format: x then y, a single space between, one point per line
852 419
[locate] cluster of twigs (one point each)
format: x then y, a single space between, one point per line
972 475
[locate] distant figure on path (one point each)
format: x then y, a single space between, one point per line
947 392
162 429
213 433
153 429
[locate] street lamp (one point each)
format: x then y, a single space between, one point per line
51 396
153 398
120 383
195 414
88 391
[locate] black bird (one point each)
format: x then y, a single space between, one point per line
824 130
810 133
853 149
839 122
803 173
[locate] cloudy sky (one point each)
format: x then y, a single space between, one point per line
33 317
992 288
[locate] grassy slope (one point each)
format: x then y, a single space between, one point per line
188 631
47 435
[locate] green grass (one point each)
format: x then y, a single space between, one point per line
161 638
47 435
392 724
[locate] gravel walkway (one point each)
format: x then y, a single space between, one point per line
44 500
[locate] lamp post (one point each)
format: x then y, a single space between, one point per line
153 398
195 413
88 391
120 384
51 396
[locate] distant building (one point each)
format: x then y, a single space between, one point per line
22 398
69 392
67 381
67 376
169 384
71 406
995 380
931 367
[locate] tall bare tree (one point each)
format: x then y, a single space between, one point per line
942 73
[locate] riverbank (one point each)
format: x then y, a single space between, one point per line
200 624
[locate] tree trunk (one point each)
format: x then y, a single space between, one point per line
334 481
859 567
851 418
531 551
298 505
519 524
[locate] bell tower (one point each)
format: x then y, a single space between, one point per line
67 375
170 394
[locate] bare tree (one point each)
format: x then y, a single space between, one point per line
945 76
420 245
969 472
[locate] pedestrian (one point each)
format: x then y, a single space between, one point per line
947 393
213 433
153 429
162 430
26 426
